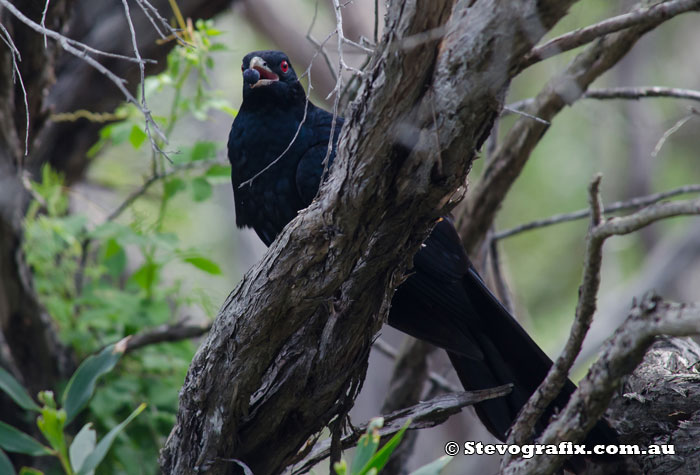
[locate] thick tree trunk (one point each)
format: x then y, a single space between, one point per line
289 348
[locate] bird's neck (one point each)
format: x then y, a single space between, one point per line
275 100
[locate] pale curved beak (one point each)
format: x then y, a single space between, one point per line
266 75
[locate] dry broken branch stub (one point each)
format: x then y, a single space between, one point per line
422 415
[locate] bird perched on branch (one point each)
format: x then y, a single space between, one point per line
277 148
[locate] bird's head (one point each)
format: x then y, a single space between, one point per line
268 72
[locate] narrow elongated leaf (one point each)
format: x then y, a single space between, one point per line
204 264
82 384
12 388
14 440
381 458
96 456
82 446
5 464
30 471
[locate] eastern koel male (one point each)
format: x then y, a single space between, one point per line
281 141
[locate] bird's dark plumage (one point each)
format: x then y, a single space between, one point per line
279 141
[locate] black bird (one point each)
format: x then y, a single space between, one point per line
277 146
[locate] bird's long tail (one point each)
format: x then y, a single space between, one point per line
511 357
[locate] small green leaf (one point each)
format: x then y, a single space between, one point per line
435 467
14 440
114 257
146 275
203 264
51 423
203 150
219 171
137 136
173 186
5 464
82 384
82 446
201 189
93 460
12 388
30 471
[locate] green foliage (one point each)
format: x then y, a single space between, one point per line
369 459
103 281
84 453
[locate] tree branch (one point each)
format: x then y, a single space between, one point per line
620 355
477 212
642 92
642 16
166 333
632 204
523 428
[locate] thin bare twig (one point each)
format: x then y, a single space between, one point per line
634 203
83 52
142 76
509 109
423 415
320 46
676 127
585 35
435 379
43 20
631 93
152 14
63 40
140 191
642 92
181 330
17 76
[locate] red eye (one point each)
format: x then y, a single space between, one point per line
284 66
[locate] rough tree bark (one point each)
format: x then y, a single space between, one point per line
660 404
269 374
